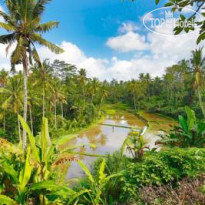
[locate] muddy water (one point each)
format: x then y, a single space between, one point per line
110 138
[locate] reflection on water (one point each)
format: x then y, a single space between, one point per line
109 138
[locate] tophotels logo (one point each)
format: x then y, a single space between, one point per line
164 21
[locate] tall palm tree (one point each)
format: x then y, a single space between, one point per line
82 79
23 22
93 88
198 63
43 78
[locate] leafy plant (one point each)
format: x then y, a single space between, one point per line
97 184
30 179
135 144
189 133
167 166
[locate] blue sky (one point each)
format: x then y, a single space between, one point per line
109 40
89 23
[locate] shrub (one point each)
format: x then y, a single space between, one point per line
157 168
189 133
185 191
160 168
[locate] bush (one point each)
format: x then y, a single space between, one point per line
186 191
157 169
162 168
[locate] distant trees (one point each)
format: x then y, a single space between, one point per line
182 84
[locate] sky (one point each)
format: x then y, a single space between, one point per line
109 40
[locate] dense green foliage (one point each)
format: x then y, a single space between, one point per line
33 166
157 168
189 133
57 91
182 84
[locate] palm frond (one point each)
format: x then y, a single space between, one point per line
8 38
7 26
40 7
47 26
36 57
19 52
54 48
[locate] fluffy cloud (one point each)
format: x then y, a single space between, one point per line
128 42
153 55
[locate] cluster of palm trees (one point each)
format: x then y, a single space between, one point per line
49 95
182 84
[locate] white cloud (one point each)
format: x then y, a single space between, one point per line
128 42
161 51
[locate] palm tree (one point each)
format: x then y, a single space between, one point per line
198 63
13 97
104 93
23 22
82 79
43 79
93 88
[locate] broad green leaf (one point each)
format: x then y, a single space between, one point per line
76 195
25 174
47 185
64 139
86 170
10 171
5 200
124 145
31 138
101 172
70 148
183 123
191 117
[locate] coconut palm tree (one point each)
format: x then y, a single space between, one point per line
43 78
83 79
23 22
198 64
93 88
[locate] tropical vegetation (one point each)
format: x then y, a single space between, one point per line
44 107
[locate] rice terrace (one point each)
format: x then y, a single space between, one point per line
102 102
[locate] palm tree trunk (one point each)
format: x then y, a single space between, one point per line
200 101
84 95
134 100
55 115
43 101
19 130
25 107
31 119
4 123
62 115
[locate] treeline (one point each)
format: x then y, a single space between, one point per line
182 84
58 91
69 99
